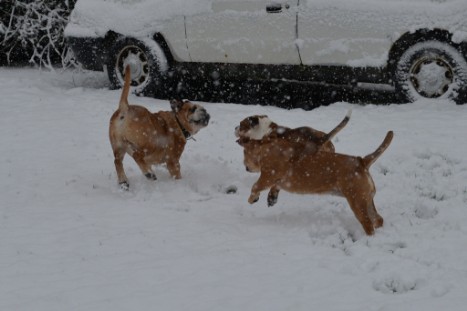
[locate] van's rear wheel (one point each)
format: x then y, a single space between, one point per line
144 62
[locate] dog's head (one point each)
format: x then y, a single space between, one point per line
254 127
191 116
250 132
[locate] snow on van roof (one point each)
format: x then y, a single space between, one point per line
93 18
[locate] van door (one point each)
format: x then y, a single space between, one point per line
245 31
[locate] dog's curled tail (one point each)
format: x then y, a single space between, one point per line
337 129
123 105
372 157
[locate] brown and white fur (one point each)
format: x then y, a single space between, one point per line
318 173
261 129
152 138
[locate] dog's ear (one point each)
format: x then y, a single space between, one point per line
176 105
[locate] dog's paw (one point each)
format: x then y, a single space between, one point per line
252 200
151 176
272 200
124 185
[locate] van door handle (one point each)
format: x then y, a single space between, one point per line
274 8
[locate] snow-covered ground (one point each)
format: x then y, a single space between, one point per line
71 240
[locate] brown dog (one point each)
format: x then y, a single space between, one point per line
260 130
317 173
152 138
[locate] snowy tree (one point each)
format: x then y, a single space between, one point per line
32 31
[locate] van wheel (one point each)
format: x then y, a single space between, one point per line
147 64
430 69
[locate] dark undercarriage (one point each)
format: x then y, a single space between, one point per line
283 86
287 86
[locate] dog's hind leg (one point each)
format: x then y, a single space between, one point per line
377 219
360 206
118 161
144 167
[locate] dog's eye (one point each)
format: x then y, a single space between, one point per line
253 121
193 109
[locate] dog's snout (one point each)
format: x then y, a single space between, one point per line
200 116
206 117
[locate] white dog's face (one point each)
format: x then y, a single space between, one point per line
254 127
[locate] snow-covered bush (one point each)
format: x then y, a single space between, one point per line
32 31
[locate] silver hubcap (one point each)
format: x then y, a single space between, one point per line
431 76
138 62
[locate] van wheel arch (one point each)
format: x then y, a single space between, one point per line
409 39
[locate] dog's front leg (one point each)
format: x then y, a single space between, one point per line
254 195
272 196
174 169
264 182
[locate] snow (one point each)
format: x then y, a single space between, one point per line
71 240
360 33
356 33
140 18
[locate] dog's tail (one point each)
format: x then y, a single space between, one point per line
337 129
372 157
123 105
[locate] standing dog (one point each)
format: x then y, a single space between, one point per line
259 129
152 138
318 173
